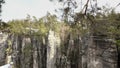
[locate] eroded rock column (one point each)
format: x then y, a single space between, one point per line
53 44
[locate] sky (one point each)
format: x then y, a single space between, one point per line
18 9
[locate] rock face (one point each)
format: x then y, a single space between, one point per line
53 45
3 47
50 52
101 53
29 52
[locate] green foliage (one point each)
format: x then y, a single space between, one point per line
35 27
27 49
114 20
118 42
9 49
107 24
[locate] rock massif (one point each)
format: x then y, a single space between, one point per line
51 52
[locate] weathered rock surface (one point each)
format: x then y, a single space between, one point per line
3 47
49 52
